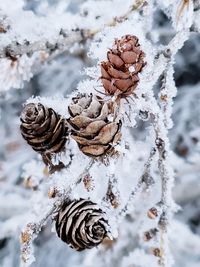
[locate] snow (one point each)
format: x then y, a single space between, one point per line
158 161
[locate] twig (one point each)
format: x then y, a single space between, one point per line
166 175
145 178
138 5
168 91
161 124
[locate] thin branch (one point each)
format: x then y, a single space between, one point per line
145 179
168 91
167 179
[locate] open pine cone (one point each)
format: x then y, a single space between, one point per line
81 224
120 72
43 129
92 130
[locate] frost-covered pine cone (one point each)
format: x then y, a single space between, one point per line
81 224
43 129
120 72
92 130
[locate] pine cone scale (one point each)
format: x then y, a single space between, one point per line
117 137
95 150
38 139
93 128
124 84
129 57
80 121
42 114
74 206
104 112
105 70
115 60
109 86
57 134
118 74
107 133
56 148
41 128
37 129
93 110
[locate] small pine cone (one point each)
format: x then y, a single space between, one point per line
152 213
92 130
43 129
2 29
112 197
148 235
155 212
81 224
157 252
120 72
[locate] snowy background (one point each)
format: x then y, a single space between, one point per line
49 49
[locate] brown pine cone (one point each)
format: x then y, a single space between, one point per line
92 130
81 224
43 129
120 72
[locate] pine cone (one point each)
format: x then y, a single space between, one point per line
92 130
81 224
43 129
120 72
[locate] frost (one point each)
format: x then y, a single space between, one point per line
15 72
180 11
131 68
143 259
53 49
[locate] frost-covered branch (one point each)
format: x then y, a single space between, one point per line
145 179
120 117
64 40
33 228
196 5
